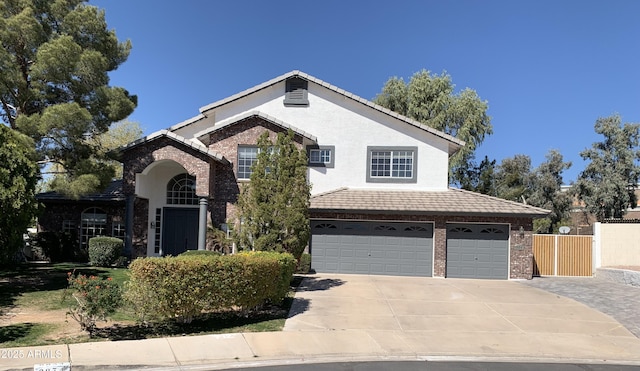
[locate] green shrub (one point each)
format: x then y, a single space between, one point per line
183 287
200 253
304 264
104 251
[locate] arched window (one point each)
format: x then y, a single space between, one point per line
93 223
181 190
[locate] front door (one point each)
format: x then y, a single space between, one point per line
179 230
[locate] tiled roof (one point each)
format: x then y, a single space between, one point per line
261 115
454 143
451 202
113 192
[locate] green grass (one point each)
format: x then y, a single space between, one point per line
26 334
41 286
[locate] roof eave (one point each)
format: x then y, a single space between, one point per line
428 212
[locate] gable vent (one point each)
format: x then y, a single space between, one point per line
296 92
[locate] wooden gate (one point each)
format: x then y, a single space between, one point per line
561 255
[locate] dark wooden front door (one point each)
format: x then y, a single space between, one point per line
179 230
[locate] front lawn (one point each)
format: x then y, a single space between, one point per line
33 312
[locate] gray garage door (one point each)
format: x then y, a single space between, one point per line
391 248
478 251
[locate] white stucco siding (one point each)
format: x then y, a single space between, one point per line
351 127
152 185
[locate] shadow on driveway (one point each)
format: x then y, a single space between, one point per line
301 305
315 284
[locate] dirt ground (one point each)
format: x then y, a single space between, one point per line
65 326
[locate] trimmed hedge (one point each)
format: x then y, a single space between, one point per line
104 251
184 286
200 253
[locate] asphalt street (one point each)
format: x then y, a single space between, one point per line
444 366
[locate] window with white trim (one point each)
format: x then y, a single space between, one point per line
321 156
118 230
392 164
94 223
247 156
181 190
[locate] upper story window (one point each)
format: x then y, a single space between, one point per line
247 156
321 156
391 164
296 92
181 190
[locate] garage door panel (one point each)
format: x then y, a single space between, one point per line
332 253
347 253
391 248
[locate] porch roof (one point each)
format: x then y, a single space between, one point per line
113 193
452 201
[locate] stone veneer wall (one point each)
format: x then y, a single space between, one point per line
521 252
140 228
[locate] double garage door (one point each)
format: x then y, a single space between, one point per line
406 249
385 248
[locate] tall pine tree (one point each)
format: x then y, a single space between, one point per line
54 84
274 205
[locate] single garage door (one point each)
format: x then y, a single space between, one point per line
478 251
385 248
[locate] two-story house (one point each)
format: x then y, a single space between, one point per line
380 198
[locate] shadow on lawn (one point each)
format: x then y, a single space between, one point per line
211 323
31 277
14 332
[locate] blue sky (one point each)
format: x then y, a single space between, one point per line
548 68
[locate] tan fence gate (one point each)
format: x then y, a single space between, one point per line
561 255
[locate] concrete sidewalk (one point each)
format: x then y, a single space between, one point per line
348 317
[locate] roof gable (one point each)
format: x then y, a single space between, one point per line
453 143
176 138
203 135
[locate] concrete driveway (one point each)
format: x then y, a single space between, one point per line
433 316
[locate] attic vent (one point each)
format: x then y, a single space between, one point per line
296 92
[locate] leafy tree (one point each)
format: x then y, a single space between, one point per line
431 100
118 135
607 185
546 182
54 86
18 179
478 177
513 178
274 205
